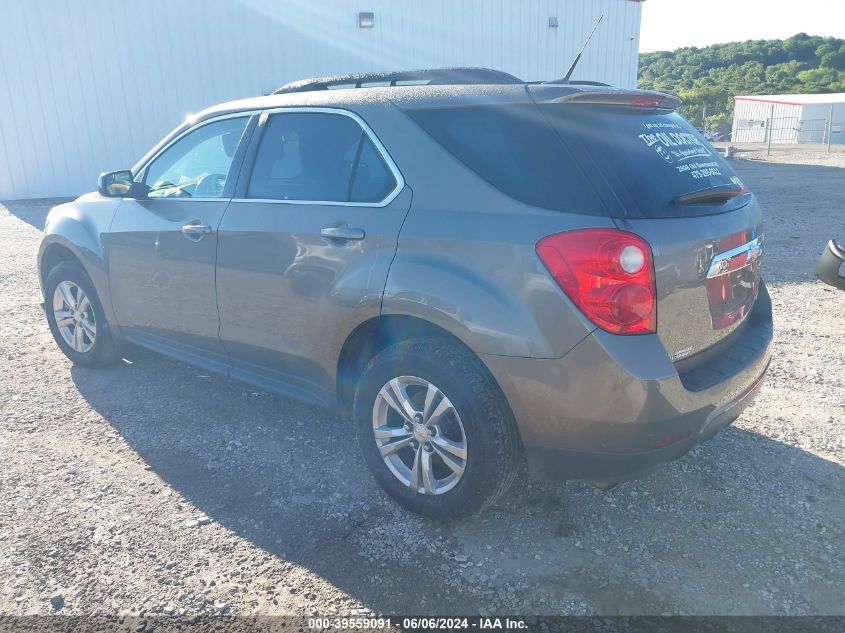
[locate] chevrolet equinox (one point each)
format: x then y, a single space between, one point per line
482 271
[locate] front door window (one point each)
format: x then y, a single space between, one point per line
198 164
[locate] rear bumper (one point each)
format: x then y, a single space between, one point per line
615 407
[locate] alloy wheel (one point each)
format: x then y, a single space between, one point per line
420 435
74 316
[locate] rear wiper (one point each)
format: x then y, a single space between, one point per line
717 195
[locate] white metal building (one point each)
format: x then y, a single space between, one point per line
88 86
789 118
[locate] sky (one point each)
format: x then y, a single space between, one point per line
671 24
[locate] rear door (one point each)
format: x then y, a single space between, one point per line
676 191
162 248
305 246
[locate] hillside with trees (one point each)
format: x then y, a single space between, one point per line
710 77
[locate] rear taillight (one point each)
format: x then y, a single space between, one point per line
608 274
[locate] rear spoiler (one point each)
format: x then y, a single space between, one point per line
712 195
620 97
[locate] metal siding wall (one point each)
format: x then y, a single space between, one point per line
783 128
838 136
785 123
749 111
818 114
90 85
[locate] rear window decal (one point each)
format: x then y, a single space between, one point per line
679 147
701 170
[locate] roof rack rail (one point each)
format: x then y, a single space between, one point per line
431 77
571 82
584 82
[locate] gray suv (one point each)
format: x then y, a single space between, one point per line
482 271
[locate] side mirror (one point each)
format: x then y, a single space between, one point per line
116 184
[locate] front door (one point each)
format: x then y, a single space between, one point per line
162 249
305 247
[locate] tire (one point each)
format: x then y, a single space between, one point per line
97 352
479 414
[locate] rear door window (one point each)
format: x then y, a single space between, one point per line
514 148
318 157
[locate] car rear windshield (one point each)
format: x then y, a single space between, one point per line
514 149
649 159
560 156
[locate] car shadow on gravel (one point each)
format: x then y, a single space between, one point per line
33 212
744 524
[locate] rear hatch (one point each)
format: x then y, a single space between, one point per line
671 187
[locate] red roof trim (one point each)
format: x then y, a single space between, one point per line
768 101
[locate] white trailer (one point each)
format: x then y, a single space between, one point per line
789 119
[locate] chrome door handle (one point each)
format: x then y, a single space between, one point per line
342 233
195 231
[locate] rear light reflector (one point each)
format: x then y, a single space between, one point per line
608 274
673 439
646 102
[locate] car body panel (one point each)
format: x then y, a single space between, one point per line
474 277
161 278
81 227
162 282
286 332
683 249
288 298
621 396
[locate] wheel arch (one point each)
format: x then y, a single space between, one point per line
54 254
379 333
78 227
458 373
57 248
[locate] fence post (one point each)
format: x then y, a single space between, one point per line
829 128
769 129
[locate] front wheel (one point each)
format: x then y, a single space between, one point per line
434 428
76 317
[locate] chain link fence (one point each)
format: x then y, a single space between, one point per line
787 133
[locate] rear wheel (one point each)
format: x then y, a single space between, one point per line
435 430
76 317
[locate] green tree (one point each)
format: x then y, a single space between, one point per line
834 60
824 49
708 79
719 122
818 79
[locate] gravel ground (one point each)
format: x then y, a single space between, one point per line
153 488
